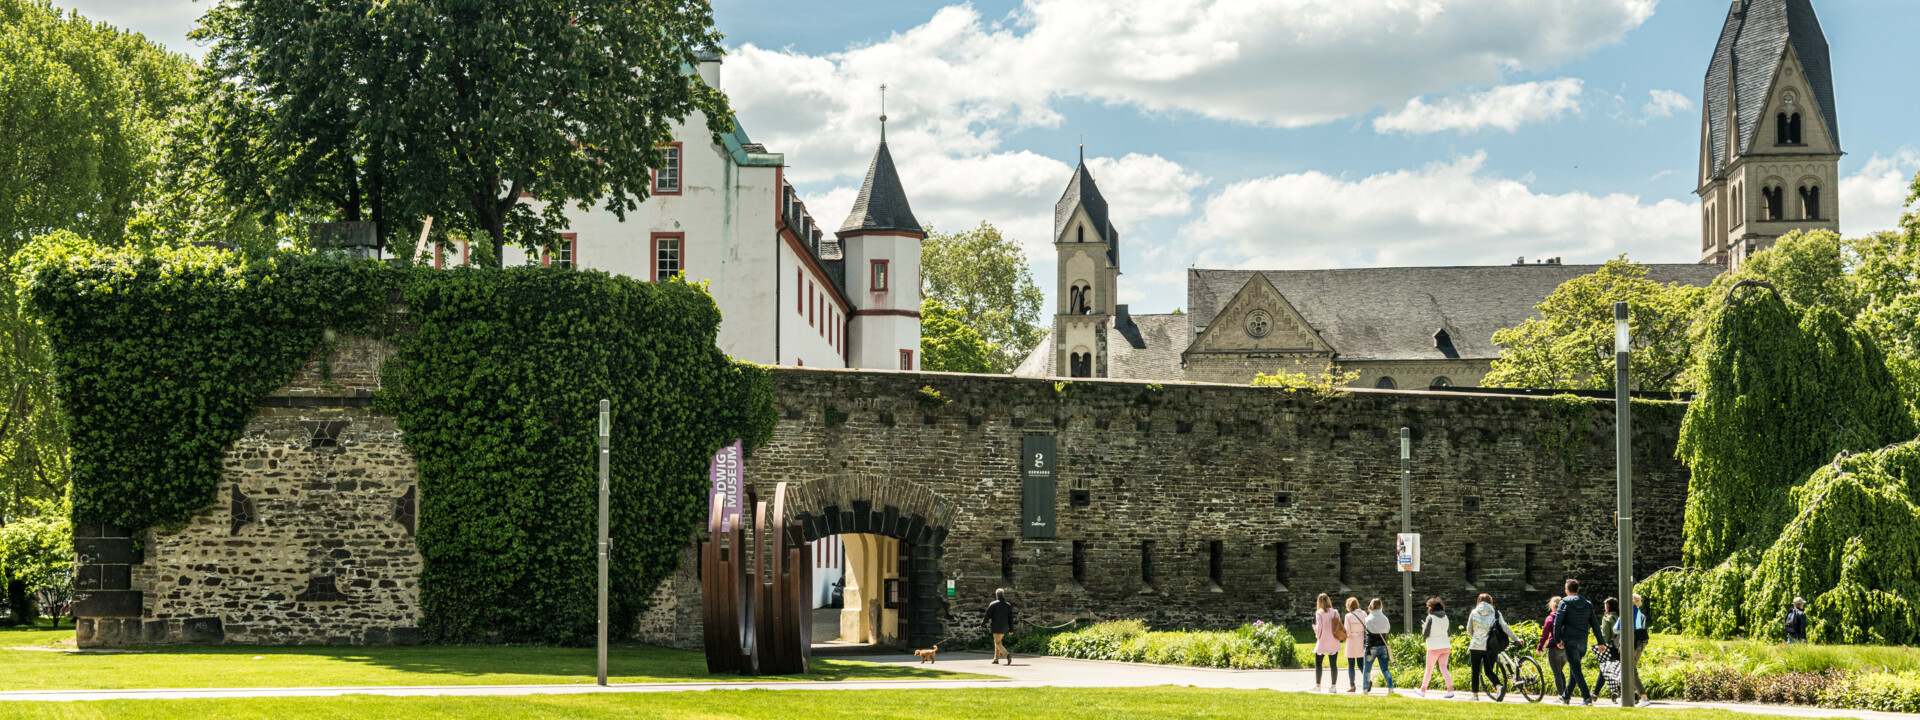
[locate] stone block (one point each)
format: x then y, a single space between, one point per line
106 551
107 603
154 632
406 636
203 630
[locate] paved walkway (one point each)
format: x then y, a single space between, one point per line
1024 672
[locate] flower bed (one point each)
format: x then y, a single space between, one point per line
1256 646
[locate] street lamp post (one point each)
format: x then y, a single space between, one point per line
1623 441
1406 520
605 431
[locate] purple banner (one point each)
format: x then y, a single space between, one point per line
728 473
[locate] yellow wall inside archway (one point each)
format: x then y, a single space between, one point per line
871 560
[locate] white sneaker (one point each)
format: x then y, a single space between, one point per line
1449 695
1422 691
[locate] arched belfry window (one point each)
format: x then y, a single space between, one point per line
1810 202
1080 300
1080 234
1776 202
1080 365
1786 129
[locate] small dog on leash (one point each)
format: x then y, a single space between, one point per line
926 656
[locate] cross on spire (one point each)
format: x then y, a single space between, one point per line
883 112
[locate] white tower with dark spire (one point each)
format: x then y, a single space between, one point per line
1770 132
1088 252
881 242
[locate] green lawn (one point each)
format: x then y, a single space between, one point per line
1022 703
311 666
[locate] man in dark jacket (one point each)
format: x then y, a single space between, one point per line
1000 622
1796 624
1571 625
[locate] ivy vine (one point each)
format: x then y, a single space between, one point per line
163 356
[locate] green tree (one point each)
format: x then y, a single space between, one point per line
1570 345
36 556
984 275
392 111
947 344
84 108
1330 381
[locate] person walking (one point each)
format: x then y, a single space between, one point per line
1377 627
1609 622
1639 639
1488 636
1326 647
1796 622
1556 657
1000 622
1576 621
1439 646
1356 643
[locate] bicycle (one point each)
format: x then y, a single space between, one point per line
1523 674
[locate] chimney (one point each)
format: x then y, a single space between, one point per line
710 69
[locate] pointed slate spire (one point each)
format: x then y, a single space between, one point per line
1756 36
1082 192
882 204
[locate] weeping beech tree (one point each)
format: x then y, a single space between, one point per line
1785 389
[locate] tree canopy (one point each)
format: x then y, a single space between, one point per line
947 344
458 109
983 275
1570 346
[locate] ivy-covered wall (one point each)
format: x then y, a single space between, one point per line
164 356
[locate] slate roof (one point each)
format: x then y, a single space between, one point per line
1164 337
882 204
1755 37
1393 313
1081 191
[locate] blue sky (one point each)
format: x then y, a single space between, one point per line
1280 134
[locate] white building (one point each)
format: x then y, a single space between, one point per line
788 294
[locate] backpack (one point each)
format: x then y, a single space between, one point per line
1339 629
1497 639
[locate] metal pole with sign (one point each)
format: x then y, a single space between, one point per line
605 431
1623 440
1406 524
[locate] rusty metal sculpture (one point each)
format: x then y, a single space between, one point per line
755 586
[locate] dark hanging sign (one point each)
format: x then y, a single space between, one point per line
1036 468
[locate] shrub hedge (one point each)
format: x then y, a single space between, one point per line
1253 646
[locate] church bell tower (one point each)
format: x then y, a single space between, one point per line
1770 132
1087 249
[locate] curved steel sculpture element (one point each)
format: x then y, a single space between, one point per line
758 616
728 587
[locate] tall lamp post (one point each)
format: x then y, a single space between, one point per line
1406 521
605 430
1623 441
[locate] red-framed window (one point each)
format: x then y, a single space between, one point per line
667 256
666 178
879 276
562 255
812 303
906 359
799 292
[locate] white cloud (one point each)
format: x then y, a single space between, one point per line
1016 192
1452 213
1664 103
1874 197
1506 107
163 21
959 83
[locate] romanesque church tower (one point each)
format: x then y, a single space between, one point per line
1770 132
1088 250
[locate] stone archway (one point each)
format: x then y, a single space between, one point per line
889 507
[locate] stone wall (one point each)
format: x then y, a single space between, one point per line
1301 494
309 541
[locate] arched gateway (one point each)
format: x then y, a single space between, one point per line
755 609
